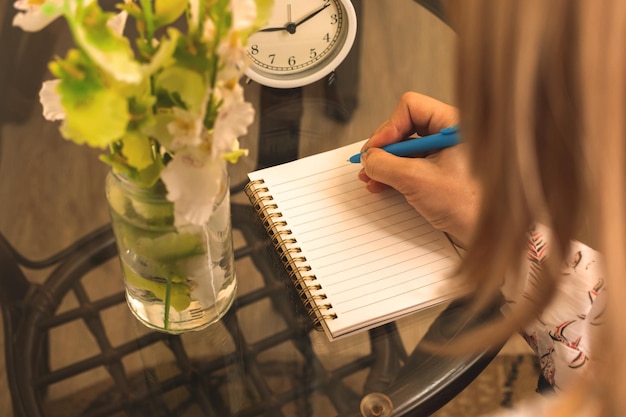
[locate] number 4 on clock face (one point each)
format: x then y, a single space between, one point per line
304 41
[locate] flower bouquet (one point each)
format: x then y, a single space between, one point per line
166 107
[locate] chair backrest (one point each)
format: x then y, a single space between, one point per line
13 290
28 307
13 283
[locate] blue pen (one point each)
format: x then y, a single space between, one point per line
445 138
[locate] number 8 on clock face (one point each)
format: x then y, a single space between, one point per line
303 41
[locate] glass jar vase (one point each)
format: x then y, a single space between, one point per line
177 278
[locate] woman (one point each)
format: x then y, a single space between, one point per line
542 110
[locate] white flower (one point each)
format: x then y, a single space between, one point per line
51 101
232 57
193 180
204 273
33 18
118 22
232 121
194 13
244 14
186 129
209 30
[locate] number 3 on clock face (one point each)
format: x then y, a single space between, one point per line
303 41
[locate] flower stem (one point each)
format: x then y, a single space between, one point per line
146 7
168 296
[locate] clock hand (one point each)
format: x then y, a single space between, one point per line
278 29
291 26
313 14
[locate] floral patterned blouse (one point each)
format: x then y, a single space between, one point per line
562 333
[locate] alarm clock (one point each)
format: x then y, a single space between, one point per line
303 41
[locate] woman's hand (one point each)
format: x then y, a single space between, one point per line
439 186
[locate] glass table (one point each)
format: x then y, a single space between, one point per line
73 348
263 359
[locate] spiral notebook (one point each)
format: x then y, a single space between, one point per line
357 259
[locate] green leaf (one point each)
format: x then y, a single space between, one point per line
151 174
192 52
167 11
146 177
154 214
264 11
219 12
235 154
170 246
179 293
158 130
118 164
187 83
141 106
117 200
137 149
163 57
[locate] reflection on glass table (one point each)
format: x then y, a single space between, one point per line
264 358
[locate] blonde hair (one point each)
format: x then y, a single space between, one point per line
542 97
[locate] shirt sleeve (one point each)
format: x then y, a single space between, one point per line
561 335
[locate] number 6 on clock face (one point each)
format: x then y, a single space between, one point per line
303 41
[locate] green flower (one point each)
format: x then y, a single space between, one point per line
109 50
97 121
94 114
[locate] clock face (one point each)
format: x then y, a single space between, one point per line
302 41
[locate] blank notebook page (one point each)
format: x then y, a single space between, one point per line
374 258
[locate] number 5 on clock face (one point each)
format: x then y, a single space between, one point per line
304 41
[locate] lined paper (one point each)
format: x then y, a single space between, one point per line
375 258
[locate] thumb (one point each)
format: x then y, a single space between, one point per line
394 171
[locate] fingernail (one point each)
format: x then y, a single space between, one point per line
363 155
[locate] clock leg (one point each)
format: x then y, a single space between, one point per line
279 125
435 7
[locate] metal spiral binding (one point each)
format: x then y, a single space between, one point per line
290 241
322 307
304 292
320 315
291 263
294 263
267 216
302 279
253 193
